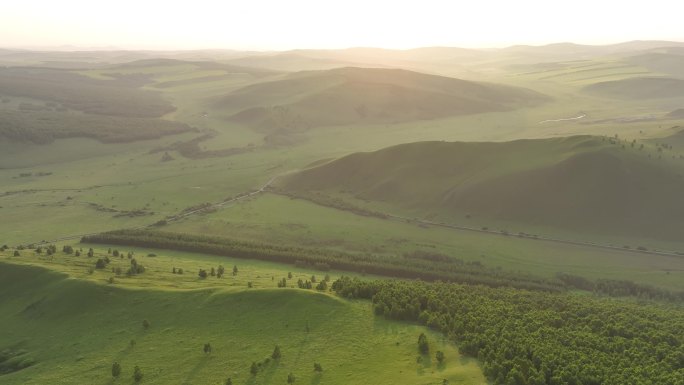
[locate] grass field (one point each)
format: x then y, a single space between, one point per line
281 220
79 325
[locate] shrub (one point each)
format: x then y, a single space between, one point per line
137 374
116 370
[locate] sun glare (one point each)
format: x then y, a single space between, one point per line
277 25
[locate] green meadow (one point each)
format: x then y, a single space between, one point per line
71 326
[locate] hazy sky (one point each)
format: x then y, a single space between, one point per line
280 24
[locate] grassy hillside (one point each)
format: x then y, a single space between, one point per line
85 94
300 223
639 88
68 330
43 127
362 95
582 183
676 114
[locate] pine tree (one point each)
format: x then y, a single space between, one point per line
423 344
137 374
276 353
116 370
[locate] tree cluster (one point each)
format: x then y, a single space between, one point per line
540 338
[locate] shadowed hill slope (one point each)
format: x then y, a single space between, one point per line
579 183
367 95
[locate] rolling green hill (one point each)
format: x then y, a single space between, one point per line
363 95
584 184
639 88
81 93
68 330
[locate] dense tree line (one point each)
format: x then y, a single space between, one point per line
428 266
536 338
451 269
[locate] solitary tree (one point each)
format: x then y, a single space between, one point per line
318 367
146 324
276 353
207 348
100 264
137 374
254 369
116 370
423 344
235 270
290 378
16 253
440 356
229 381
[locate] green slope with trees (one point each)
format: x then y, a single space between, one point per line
583 184
526 338
67 330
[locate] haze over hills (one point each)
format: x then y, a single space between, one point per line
367 95
640 88
204 217
584 184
